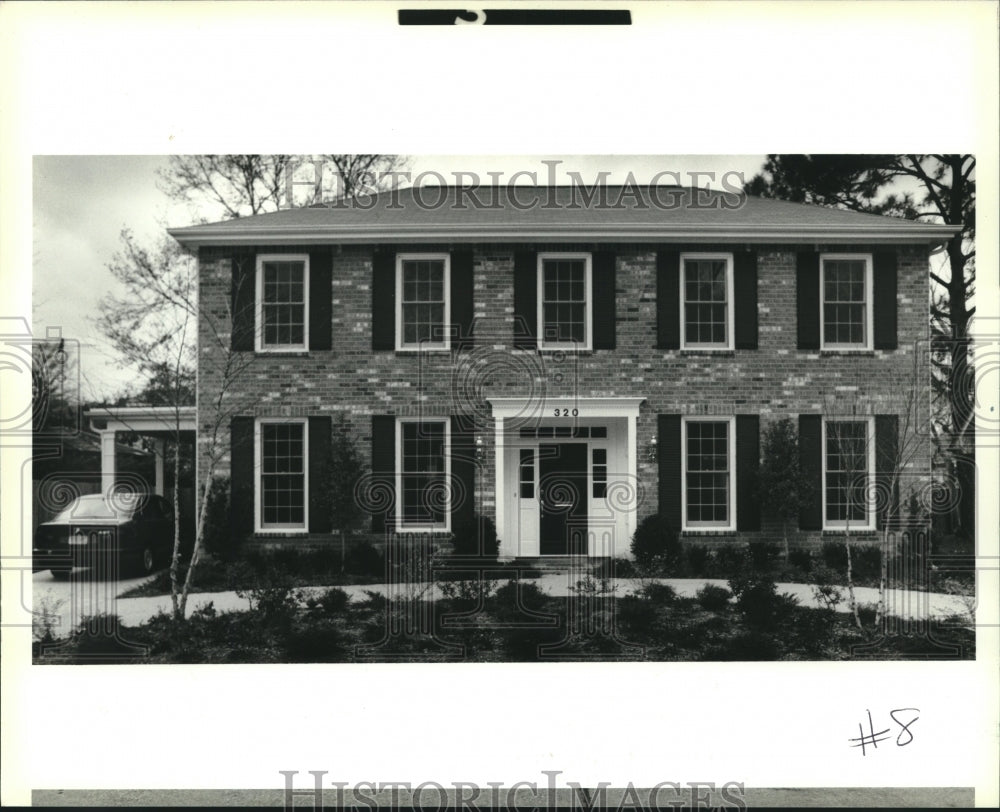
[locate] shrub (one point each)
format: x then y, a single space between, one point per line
655 544
217 537
364 559
762 555
333 601
699 560
827 595
756 597
468 593
866 559
476 537
713 598
658 593
802 559
315 642
505 599
636 614
271 595
731 560
747 646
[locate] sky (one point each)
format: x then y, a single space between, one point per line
81 203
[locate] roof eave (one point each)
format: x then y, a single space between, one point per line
198 236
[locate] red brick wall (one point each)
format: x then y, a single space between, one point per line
772 381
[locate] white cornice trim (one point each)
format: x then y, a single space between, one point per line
197 236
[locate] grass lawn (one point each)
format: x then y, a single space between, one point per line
508 622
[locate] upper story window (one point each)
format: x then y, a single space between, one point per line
848 466
846 299
709 459
422 475
423 301
282 465
707 301
564 301
282 302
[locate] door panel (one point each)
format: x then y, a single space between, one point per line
563 498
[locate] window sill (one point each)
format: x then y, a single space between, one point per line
282 354
420 350
854 353
707 352
697 532
840 531
280 534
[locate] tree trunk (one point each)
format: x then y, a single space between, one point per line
176 557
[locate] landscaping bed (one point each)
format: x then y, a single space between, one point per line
512 621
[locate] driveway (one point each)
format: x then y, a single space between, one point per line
85 593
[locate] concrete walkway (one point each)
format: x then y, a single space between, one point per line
901 603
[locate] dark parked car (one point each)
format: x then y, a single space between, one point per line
135 531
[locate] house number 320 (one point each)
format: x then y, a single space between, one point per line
566 412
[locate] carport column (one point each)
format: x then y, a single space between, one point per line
158 452
107 460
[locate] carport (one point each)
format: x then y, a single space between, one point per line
156 422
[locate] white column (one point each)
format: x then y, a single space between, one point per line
633 473
158 456
107 460
508 545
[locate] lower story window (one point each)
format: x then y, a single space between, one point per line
707 474
848 453
423 474
283 475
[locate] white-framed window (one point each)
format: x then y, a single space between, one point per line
848 468
708 492
281 484
565 302
706 301
423 474
845 283
423 301
282 302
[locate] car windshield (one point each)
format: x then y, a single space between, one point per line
93 507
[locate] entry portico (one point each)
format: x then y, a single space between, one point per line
566 475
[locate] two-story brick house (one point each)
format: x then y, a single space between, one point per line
563 362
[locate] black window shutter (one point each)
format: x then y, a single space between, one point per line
807 299
463 471
884 293
603 289
747 466
241 478
886 451
383 465
811 470
668 302
244 288
525 299
384 300
320 298
668 450
319 486
462 285
745 294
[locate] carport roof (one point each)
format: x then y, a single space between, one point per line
544 213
